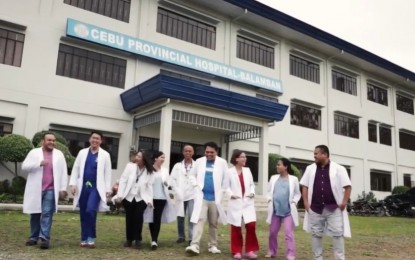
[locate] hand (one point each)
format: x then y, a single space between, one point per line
342 206
62 195
73 189
234 197
109 194
306 207
118 200
44 163
150 205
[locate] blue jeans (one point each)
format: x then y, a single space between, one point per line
188 210
41 223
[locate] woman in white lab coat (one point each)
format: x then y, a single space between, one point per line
283 196
135 191
241 206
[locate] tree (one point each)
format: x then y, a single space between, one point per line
68 156
272 163
14 148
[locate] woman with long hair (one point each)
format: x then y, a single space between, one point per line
283 196
163 210
135 192
241 207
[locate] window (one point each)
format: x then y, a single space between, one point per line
377 94
407 180
78 141
344 83
186 29
5 128
347 126
117 9
11 47
385 135
380 181
304 69
185 77
373 132
406 140
255 52
405 104
305 116
267 98
90 66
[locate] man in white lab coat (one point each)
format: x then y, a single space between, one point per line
326 191
91 185
211 181
47 176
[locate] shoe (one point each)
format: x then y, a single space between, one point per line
137 244
31 242
269 255
91 242
154 245
128 243
214 250
180 240
192 250
237 256
83 243
251 255
190 242
44 244
290 257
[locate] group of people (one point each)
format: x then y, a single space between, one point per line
149 194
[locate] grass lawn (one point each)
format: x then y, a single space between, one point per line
372 238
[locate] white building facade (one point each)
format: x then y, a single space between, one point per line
160 74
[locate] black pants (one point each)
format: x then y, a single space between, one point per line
134 212
155 226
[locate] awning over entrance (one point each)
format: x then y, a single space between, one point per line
163 86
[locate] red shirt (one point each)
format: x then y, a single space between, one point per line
241 179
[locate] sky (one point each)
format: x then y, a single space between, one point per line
383 27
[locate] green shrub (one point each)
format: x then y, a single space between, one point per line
272 163
4 186
399 189
18 185
37 138
14 148
370 196
68 156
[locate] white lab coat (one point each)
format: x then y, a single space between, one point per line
103 176
221 183
294 197
245 206
32 200
338 180
127 181
177 181
169 211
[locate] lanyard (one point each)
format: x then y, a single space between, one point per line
139 173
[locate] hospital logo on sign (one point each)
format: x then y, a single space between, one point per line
81 30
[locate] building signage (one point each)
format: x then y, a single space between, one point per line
130 44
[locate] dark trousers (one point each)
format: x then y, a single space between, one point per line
157 212
134 212
88 208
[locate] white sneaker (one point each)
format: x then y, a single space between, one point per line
154 245
214 250
193 250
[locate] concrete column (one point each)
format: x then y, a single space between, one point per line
263 160
166 125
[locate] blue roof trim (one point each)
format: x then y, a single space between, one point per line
163 86
302 27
